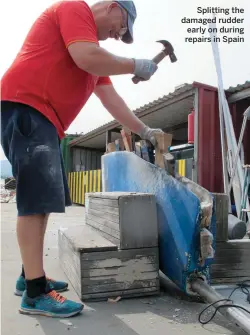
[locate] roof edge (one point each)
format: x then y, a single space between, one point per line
140 112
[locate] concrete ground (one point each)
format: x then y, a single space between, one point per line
170 313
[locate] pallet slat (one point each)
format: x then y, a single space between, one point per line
113 287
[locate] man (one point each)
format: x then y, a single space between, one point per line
57 69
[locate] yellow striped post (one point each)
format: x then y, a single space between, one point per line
90 180
99 181
77 187
74 187
87 182
182 167
70 186
73 182
95 180
83 187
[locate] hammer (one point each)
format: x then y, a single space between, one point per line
167 51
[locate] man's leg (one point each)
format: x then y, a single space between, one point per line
31 248
43 227
36 161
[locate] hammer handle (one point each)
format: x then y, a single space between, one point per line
157 59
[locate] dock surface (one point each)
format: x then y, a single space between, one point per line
170 313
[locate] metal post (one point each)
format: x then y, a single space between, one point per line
224 156
236 316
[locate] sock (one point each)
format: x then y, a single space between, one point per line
23 273
37 286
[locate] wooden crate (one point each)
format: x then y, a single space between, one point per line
232 262
98 270
232 257
129 220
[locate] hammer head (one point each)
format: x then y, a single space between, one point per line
168 50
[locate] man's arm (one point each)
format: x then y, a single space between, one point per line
117 107
97 61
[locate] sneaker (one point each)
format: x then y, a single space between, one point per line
51 304
58 286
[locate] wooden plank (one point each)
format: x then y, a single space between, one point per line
126 137
94 211
148 291
122 254
121 258
163 142
70 262
102 288
103 227
111 203
106 280
234 245
233 266
103 207
83 238
231 280
221 214
230 272
123 272
66 247
115 195
232 258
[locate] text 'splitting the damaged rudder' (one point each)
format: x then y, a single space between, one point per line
229 25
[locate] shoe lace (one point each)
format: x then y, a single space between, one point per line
56 296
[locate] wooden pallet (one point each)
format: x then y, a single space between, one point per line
232 257
98 270
232 262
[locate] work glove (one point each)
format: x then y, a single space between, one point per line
149 134
144 68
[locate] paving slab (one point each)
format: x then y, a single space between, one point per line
170 313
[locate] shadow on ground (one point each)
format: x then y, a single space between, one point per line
138 316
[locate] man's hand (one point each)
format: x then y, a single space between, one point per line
149 134
144 68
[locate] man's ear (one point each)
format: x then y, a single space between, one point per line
111 6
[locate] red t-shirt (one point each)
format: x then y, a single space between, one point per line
43 75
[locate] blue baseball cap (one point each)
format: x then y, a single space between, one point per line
129 6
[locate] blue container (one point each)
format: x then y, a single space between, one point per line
178 212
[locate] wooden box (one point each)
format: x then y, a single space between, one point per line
129 220
98 270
